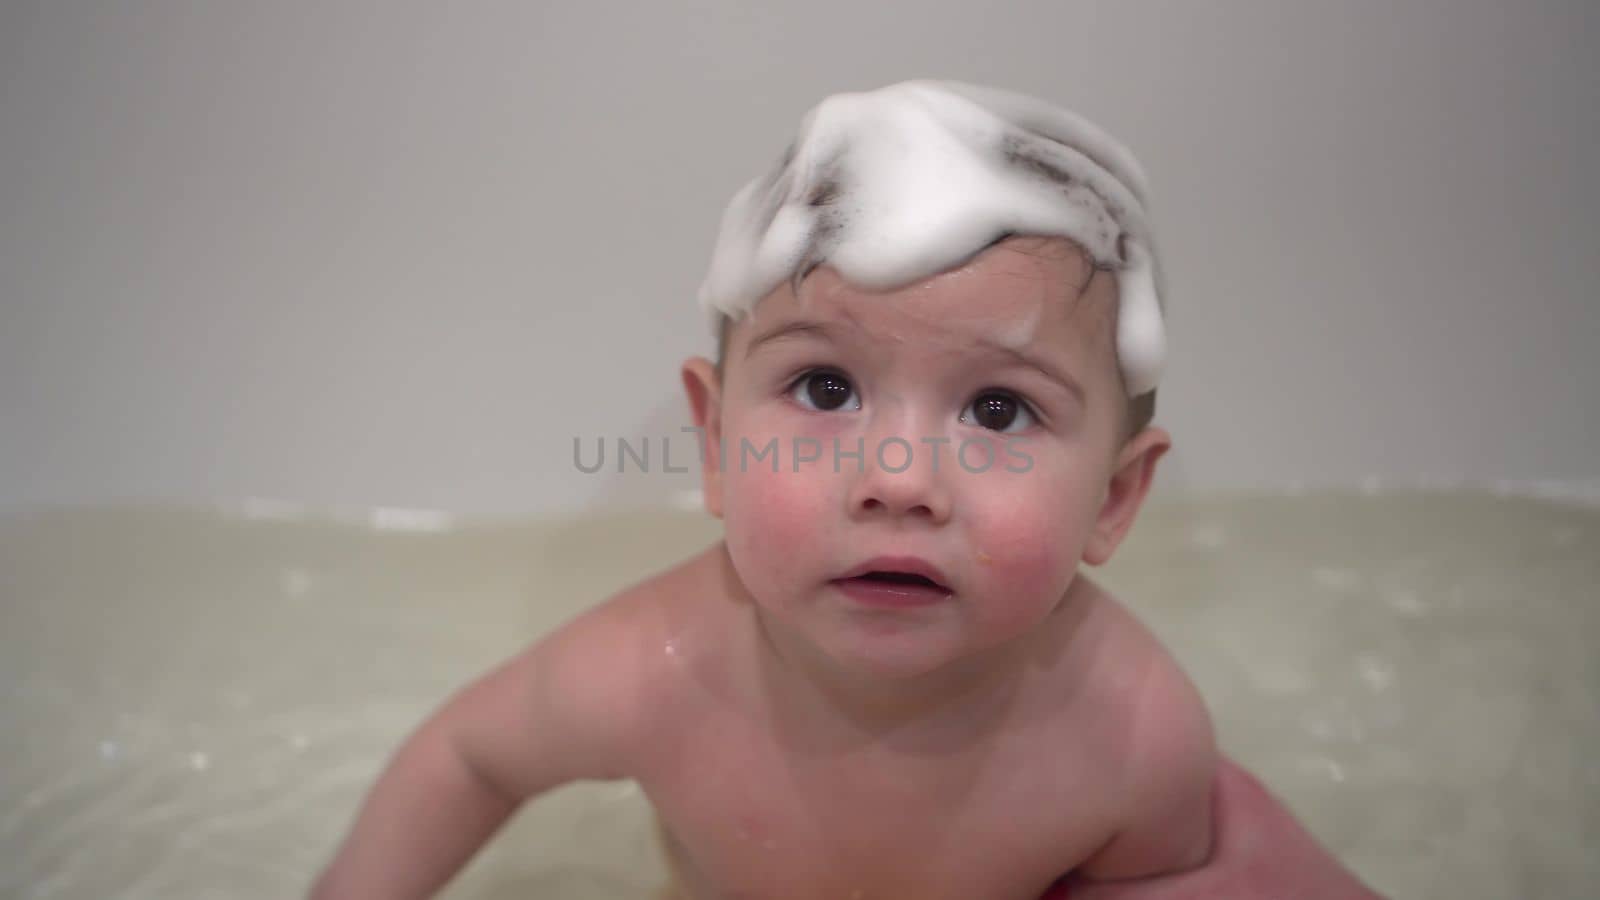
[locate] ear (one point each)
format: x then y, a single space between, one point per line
704 389
1125 492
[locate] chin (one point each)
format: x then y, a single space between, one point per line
893 654
886 646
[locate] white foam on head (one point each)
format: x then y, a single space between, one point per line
895 185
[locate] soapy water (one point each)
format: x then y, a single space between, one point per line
896 185
195 703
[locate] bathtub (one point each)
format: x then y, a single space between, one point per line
196 700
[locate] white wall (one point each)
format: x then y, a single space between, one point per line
401 254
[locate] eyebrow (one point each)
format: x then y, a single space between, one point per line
787 330
1050 372
801 328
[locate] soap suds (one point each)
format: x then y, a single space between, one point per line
896 185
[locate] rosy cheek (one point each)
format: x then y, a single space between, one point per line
773 518
1029 537
779 504
1021 558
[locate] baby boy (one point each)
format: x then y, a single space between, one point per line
940 331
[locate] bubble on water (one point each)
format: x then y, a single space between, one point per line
1375 671
1334 579
1406 602
1323 766
1318 727
416 521
299 742
199 761
109 750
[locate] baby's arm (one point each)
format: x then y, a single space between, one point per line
1167 785
558 712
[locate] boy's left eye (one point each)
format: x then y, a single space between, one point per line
998 412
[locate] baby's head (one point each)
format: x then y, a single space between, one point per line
932 269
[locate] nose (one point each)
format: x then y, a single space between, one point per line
901 478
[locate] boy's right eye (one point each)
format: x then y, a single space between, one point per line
824 391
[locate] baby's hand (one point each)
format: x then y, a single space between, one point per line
1259 853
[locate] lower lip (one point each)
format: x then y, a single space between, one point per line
890 595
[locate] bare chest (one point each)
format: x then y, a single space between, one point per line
747 818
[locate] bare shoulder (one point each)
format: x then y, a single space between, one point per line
579 702
1165 708
613 659
1167 750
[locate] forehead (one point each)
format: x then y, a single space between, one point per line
1019 293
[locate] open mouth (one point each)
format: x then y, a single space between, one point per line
900 578
889 588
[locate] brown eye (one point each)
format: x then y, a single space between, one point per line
998 412
825 391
